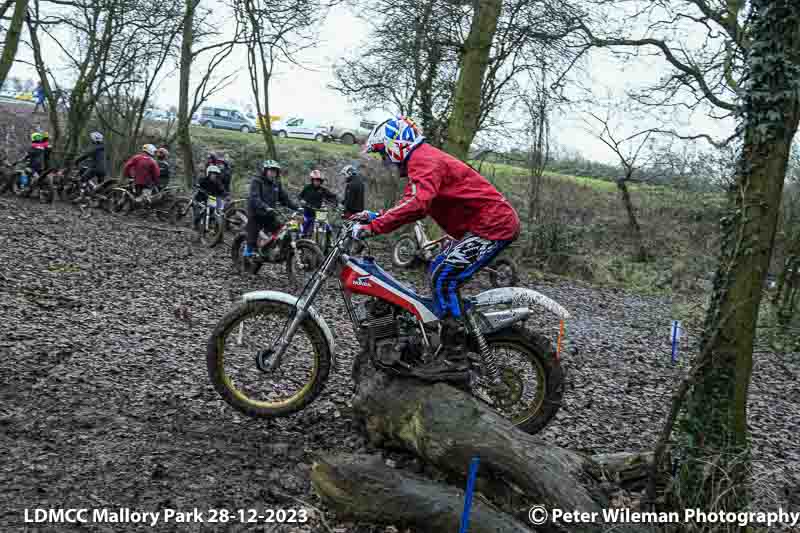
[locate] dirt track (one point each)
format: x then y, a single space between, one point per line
105 400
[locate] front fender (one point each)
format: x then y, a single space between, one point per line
283 297
518 296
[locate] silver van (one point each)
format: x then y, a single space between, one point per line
227 119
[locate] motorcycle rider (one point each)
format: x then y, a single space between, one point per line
266 192
162 158
461 201
311 198
353 191
37 154
144 171
222 164
212 184
95 157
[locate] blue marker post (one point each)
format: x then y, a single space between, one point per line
473 472
674 338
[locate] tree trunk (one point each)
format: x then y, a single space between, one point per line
269 139
184 107
12 39
366 490
52 99
713 433
641 252
475 58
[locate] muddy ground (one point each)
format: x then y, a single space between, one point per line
106 403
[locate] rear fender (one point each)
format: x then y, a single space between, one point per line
518 297
276 296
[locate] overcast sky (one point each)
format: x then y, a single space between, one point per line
298 91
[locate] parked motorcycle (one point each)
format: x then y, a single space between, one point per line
410 249
397 329
234 214
26 182
301 256
321 231
123 200
75 188
7 174
212 220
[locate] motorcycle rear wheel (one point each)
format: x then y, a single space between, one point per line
503 273
541 356
215 360
405 252
241 264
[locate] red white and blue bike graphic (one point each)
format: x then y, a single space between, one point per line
272 334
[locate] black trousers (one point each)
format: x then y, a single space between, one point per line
255 223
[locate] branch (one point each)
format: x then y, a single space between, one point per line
670 57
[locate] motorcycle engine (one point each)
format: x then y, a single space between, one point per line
386 331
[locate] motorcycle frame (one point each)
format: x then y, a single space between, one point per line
476 309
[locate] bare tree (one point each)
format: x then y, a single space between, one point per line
416 71
275 31
629 150
12 36
196 28
148 51
705 76
713 438
538 106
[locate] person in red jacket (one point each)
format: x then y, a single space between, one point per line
458 199
144 170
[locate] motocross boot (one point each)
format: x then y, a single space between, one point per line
451 362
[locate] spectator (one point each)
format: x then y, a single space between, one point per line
38 95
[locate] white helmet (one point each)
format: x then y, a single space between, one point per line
349 171
213 168
149 149
96 137
394 138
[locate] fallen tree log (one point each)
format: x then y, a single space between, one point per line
446 428
365 489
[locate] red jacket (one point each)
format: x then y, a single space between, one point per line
455 196
143 169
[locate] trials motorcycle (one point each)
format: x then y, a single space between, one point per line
515 371
301 256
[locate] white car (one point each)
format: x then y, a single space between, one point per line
352 133
302 128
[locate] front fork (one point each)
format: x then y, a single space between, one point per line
279 347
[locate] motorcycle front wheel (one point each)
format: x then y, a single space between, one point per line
404 253
231 361
211 236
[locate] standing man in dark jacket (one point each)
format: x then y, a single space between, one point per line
162 158
312 197
265 193
95 158
353 191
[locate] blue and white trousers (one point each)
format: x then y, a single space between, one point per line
455 266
